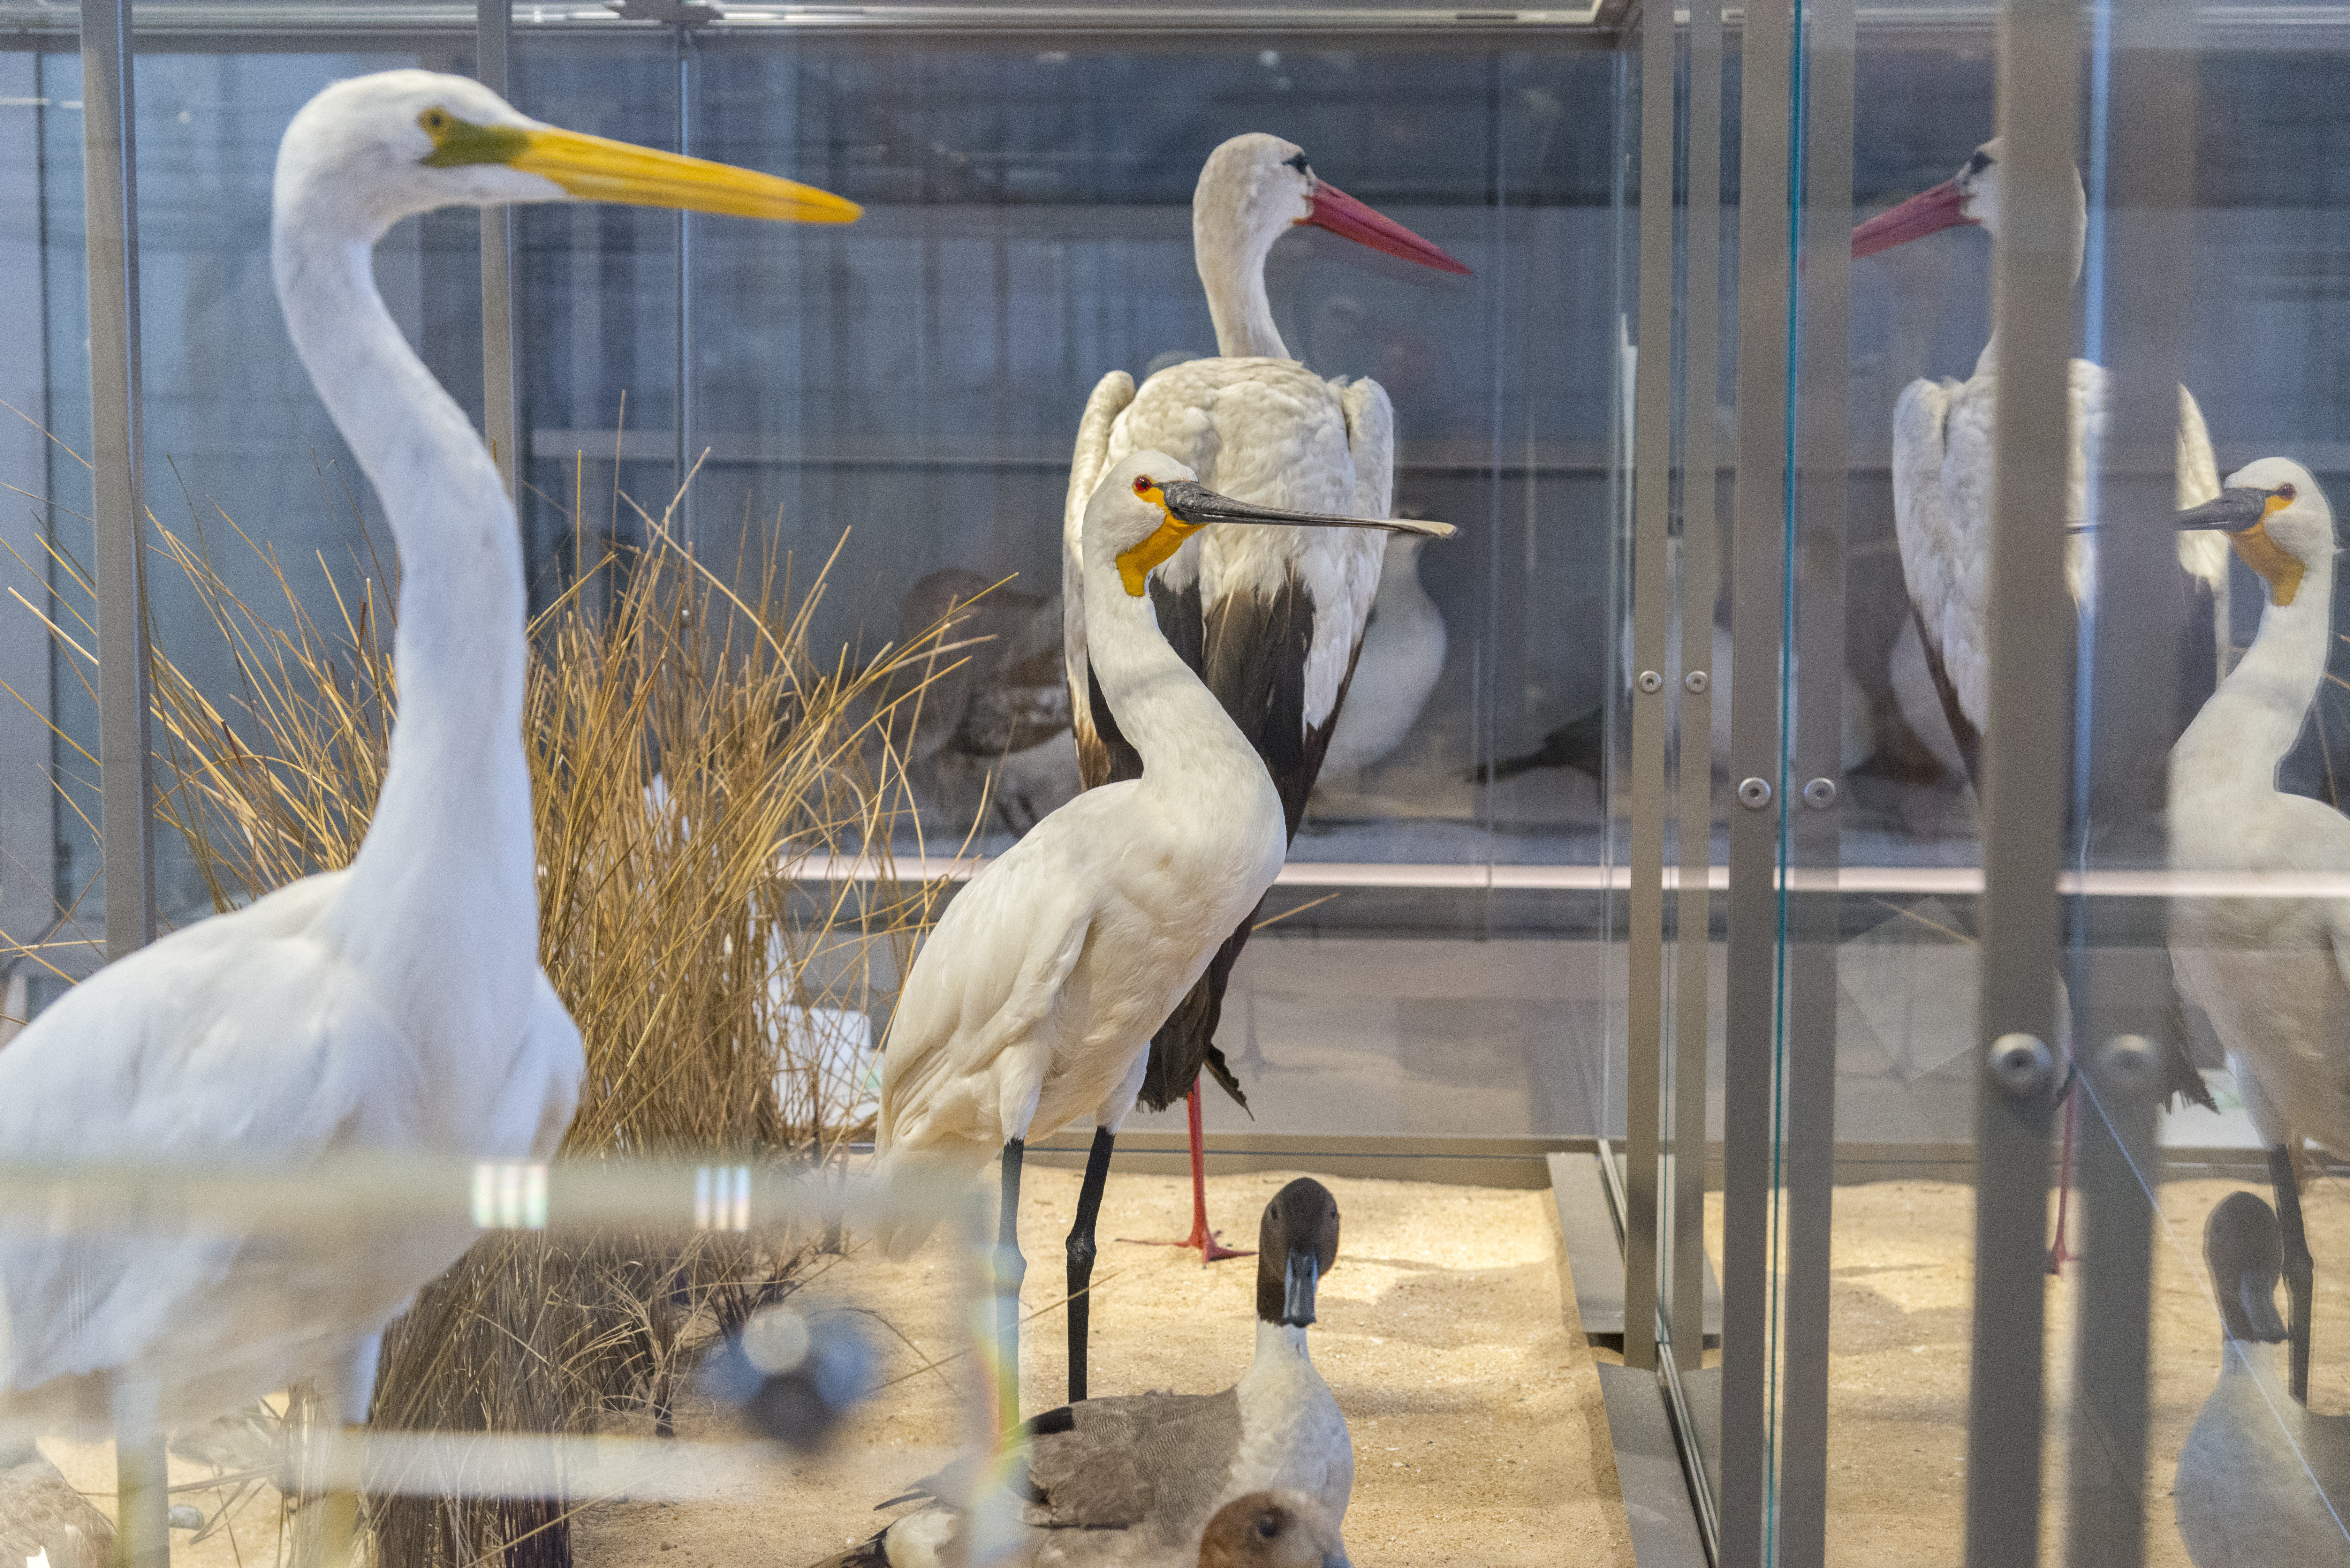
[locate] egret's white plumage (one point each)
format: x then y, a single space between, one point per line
1942 467
394 1006
1271 617
2272 974
1397 667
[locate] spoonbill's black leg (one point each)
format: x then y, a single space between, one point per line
2300 1282
1011 1268
1081 1257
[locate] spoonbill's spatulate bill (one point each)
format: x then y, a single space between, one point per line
1270 618
1032 1004
2268 971
1137 1478
394 1006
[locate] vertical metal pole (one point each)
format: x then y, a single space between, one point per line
2145 191
1759 545
1816 814
1652 433
688 424
110 186
501 411
1700 523
2024 752
118 456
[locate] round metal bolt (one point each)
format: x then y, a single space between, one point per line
1820 793
2130 1062
1754 794
2020 1064
1650 681
1697 680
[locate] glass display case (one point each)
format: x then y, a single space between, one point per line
1805 858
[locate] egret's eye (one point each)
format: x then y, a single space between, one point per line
434 121
1297 163
1143 484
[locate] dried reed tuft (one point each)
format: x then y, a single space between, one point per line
690 752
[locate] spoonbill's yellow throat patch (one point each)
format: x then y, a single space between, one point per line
1134 565
594 169
2277 568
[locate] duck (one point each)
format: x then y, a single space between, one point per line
2262 1482
2268 971
1137 1478
1272 1530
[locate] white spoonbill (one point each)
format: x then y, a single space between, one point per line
1270 619
1032 1002
397 1004
2270 973
1942 457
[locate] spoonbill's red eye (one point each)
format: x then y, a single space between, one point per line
2286 493
1142 484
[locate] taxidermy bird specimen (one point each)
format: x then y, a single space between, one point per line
1136 1479
1271 618
1031 1002
2268 971
396 1005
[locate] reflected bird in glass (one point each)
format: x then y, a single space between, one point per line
2269 971
1271 618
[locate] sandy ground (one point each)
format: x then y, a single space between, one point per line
1479 1431
1900 1304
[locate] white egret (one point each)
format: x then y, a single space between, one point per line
1032 1002
397 1004
1138 1478
1942 460
2269 972
1271 618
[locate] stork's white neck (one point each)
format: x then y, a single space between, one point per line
1183 733
447 861
1231 257
2245 729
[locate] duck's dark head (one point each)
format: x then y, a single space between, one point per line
1297 1244
2240 1244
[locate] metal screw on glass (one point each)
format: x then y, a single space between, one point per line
1651 681
1696 680
2020 1064
1820 793
1753 794
2129 1061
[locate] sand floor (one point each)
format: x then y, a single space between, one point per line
1479 1435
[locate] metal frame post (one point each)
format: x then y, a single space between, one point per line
1816 814
1652 420
501 404
2144 191
688 82
1700 523
1758 548
2025 756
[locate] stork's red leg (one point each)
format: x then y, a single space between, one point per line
1211 1249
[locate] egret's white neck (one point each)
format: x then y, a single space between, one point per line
1180 729
2253 720
1231 256
449 851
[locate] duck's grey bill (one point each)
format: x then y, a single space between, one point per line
2233 509
1297 1298
1196 503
